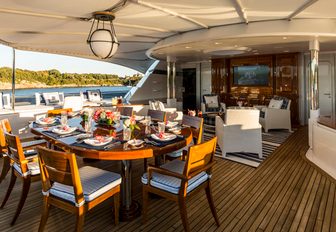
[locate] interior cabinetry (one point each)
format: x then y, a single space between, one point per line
283 80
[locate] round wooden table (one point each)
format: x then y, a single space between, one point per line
129 208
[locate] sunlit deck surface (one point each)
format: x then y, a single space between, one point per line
285 193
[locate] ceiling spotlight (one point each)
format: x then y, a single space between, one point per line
284 37
102 37
187 47
218 43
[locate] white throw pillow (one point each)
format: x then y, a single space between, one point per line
211 101
275 104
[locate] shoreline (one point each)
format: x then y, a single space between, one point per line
22 86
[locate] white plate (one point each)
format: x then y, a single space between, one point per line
60 131
166 137
42 122
138 118
135 142
171 124
96 142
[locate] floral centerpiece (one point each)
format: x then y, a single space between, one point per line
104 117
129 127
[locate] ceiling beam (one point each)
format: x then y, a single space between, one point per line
301 8
170 12
240 10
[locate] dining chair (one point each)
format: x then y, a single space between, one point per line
157 115
75 190
196 127
25 168
28 147
178 179
57 112
125 110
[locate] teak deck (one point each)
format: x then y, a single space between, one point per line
285 193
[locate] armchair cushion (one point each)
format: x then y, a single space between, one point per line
94 181
33 168
211 101
172 184
285 101
276 104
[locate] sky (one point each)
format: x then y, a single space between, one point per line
42 61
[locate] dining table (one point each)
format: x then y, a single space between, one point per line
117 150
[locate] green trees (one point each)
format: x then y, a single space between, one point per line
54 77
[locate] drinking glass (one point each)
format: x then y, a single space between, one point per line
88 126
64 118
161 127
148 120
127 134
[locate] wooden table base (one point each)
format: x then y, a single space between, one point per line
128 214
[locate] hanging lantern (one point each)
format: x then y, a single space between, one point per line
102 38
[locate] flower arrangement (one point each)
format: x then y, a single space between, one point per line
102 116
129 126
86 114
131 123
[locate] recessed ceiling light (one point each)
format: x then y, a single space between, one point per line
284 37
187 47
218 43
236 46
285 51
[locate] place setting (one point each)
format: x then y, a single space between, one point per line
162 138
62 131
98 142
45 122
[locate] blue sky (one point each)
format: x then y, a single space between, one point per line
43 61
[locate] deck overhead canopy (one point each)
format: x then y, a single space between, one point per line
148 29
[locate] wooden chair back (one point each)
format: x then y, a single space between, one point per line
157 115
3 144
200 157
125 110
56 112
15 151
196 126
60 167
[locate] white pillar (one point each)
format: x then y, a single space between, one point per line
13 80
173 80
168 79
313 86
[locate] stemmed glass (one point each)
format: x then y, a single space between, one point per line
64 118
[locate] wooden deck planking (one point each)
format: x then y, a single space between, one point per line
285 193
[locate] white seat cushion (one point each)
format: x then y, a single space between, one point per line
33 143
179 153
172 184
94 181
33 168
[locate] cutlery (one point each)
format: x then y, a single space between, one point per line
150 142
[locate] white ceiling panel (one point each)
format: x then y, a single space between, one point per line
320 9
270 9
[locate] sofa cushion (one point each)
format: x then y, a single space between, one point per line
275 104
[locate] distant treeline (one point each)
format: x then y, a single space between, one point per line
54 77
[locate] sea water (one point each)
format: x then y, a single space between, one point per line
28 95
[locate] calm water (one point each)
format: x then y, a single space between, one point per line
28 95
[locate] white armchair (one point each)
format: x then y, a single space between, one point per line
73 102
276 117
158 105
241 132
211 104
